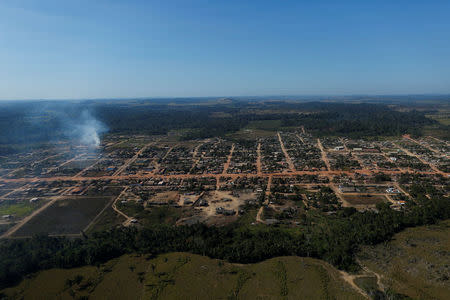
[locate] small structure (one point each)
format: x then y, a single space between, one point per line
392 190
226 212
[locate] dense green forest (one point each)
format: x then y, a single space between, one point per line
352 120
333 238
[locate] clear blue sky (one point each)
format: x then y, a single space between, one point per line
99 48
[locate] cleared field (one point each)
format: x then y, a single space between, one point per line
442 117
270 125
69 215
188 276
224 199
165 197
364 199
251 134
415 263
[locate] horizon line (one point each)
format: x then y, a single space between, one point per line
231 97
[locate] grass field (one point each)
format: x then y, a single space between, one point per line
415 263
69 215
257 129
369 200
188 276
251 134
270 125
442 117
17 209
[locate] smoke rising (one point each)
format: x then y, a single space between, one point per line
35 122
86 130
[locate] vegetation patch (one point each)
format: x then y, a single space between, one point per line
414 263
16 209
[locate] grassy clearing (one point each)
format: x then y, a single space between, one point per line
188 276
442 117
17 209
153 215
441 131
270 125
259 129
415 263
248 217
251 134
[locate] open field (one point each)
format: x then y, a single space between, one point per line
66 216
106 220
442 116
188 276
251 134
415 262
364 199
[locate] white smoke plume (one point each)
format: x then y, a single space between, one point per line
87 130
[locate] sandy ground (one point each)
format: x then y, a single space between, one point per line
226 200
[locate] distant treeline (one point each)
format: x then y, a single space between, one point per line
333 238
358 120
353 120
31 122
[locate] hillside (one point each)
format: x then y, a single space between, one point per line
416 262
189 276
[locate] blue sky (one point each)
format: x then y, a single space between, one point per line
97 49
